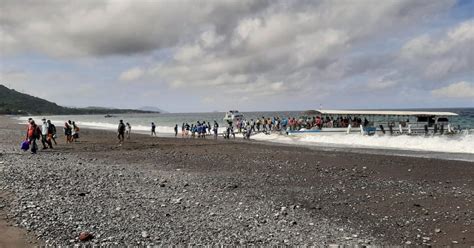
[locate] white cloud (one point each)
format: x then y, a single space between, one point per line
131 74
461 89
441 56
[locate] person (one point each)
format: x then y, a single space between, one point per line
176 130
216 128
44 135
248 132
187 129
153 128
32 134
75 128
128 130
52 132
67 132
204 128
209 127
121 132
182 130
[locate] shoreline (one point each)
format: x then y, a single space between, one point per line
363 149
204 191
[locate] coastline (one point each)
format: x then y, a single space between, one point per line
444 148
233 192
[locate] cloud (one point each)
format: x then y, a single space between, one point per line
274 50
131 74
92 28
287 48
441 56
461 89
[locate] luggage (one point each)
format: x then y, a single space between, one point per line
25 145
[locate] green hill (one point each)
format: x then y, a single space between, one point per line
16 103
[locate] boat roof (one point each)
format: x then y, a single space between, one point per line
384 112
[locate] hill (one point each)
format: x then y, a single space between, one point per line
17 103
154 109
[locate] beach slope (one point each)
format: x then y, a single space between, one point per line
194 191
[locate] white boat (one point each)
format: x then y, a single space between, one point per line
371 122
233 116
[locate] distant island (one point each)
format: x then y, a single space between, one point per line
13 102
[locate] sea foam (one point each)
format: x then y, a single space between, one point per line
463 143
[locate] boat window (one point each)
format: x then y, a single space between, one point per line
443 119
431 121
422 119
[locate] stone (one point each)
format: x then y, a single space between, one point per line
85 236
145 234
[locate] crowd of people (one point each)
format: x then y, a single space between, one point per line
200 129
46 132
279 124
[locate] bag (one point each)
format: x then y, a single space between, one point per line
25 145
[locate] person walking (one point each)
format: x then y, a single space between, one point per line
44 135
121 132
52 132
68 132
75 131
215 129
32 134
153 128
128 131
176 130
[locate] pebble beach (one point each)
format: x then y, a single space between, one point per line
166 190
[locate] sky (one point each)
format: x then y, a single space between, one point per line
200 56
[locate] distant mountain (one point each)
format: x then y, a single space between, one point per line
16 103
154 109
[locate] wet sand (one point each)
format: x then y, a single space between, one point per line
195 191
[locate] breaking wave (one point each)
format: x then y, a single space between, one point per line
463 143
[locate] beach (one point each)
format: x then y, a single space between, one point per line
166 190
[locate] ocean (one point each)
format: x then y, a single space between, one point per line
457 147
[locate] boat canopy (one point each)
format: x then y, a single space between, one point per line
384 112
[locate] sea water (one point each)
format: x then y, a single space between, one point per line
165 122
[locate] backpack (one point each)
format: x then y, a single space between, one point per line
37 133
52 129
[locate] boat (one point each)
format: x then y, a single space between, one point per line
233 116
370 122
108 116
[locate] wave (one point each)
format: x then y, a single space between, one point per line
452 144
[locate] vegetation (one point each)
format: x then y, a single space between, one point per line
16 103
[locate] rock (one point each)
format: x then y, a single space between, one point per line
85 236
145 234
408 242
437 230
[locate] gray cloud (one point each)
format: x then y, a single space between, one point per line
249 49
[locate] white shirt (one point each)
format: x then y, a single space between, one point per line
44 128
